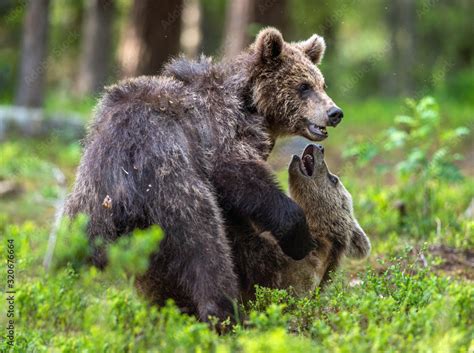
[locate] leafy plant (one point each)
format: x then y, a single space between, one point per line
423 151
425 143
130 254
72 246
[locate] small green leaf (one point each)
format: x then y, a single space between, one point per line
405 120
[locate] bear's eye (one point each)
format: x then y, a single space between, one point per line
334 179
304 88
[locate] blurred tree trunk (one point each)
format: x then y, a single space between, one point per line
191 35
402 24
30 91
151 37
272 13
238 17
96 46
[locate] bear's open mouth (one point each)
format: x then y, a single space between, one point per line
319 132
307 161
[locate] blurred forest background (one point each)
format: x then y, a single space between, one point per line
58 54
402 71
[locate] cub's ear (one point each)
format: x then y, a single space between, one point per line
314 48
359 246
269 43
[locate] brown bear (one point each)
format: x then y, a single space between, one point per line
333 226
186 150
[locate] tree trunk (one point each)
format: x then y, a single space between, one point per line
402 25
238 17
151 37
407 46
96 46
30 91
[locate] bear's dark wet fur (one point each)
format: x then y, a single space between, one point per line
187 150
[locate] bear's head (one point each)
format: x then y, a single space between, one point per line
326 202
288 89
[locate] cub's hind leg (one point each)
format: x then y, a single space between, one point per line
194 262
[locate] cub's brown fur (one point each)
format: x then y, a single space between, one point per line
187 151
328 208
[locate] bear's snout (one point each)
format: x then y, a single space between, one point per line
335 115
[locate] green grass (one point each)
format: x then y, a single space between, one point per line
404 307
62 102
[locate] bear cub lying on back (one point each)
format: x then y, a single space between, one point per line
333 226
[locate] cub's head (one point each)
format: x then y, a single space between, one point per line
325 200
288 88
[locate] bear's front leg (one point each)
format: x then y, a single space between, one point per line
248 189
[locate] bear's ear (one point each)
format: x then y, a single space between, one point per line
359 246
269 43
314 48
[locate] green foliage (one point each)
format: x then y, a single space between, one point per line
423 148
36 168
61 101
88 316
72 245
461 88
372 315
18 164
425 143
130 254
402 308
274 341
